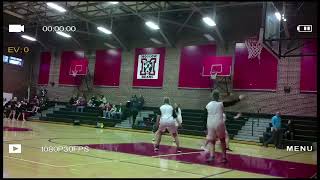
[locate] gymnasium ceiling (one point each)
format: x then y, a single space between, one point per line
177 20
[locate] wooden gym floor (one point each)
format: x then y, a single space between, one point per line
121 153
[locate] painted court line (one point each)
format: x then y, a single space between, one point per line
111 160
34 162
245 163
120 160
217 173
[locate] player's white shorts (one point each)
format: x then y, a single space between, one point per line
172 128
217 132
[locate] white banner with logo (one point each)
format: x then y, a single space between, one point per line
148 66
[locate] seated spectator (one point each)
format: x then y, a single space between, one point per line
113 110
43 103
95 102
103 99
35 104
106 112
90 103
73 100
267 135
81 104
289 130
119 111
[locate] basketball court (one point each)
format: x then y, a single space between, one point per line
265 51
118 153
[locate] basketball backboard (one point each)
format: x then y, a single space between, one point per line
217 64
271 27
78 67
290 27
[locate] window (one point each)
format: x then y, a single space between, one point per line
12 60
15 61
5 59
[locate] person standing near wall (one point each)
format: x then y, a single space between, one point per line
13 108
276 131
134 110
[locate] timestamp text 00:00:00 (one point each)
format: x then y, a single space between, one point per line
58 28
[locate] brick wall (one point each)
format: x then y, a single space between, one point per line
16 78
293 103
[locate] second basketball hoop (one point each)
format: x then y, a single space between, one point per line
214 76
74 73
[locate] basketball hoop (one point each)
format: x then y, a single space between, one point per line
214 76
254 47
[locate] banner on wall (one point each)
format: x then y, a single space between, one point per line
107 68
149 67
44 68
191 66
308 71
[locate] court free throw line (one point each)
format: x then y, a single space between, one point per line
119 160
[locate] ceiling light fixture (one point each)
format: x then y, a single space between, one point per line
209 37
56 7
209 21
155 41
28 37
278 15
104 30
113 2
109 45
63 34
152 25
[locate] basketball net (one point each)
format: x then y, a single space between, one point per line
74 73
214 76
254 47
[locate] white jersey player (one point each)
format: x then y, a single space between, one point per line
165 121
215 124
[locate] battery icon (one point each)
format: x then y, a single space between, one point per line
16 28
304 28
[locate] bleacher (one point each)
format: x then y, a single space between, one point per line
89 116
305 130
194 122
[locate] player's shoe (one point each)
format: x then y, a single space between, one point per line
210 159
